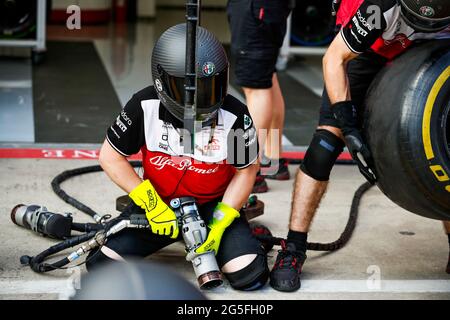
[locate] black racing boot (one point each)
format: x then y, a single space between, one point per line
260 185
281 173
285 275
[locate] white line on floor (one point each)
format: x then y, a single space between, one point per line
65 287
383 286
15 84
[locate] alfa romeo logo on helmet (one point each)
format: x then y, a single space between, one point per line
208 68
158 85
427 11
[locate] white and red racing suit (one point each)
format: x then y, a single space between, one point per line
145 125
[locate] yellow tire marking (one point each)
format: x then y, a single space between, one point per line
426 124
439 172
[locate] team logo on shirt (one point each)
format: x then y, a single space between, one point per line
208 68
247 122
161 162
427 11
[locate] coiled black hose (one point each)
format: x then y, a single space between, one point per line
345 236
89 229
349 227
60 178
37 262
332 246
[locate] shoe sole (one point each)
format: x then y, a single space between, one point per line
282 289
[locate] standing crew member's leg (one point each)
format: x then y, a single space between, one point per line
312 178
259 102
267 109
274 145
257 32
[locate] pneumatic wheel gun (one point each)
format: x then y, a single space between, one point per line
194 232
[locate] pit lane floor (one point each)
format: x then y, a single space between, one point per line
393 254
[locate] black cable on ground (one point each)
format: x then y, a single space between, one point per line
345 235
86 227
89 229
60 178
349 227
37 262
332 246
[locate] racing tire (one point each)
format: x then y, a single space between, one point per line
407 127
17 19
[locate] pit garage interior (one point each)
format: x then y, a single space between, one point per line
61 88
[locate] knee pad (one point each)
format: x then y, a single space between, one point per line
95 259
252 277
322 153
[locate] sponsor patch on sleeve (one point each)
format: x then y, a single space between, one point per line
364 28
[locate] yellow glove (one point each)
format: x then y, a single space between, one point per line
162 219
222 218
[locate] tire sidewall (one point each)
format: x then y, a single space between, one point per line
424 133
400 108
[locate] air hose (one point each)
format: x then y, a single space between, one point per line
37 262
268 239
89 230
93 230
60 178
345 236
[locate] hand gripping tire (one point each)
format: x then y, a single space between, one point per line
407 127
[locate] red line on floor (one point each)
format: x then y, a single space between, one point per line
82 154
50 153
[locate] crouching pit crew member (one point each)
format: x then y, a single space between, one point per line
372 32
219 175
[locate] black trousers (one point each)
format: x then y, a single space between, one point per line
257 28
237 239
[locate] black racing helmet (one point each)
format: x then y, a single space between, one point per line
168 71
426 15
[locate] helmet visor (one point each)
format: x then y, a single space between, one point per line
211 92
